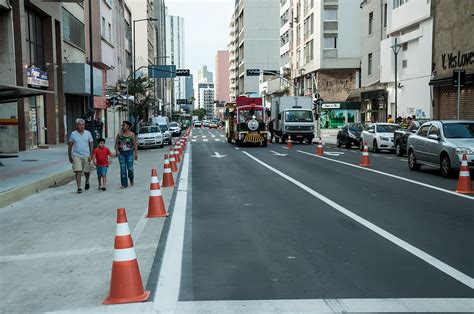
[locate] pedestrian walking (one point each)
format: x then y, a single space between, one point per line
126 150
390 119
101 161
80 147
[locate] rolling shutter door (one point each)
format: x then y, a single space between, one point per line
448 103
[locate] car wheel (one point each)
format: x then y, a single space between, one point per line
375 148
348 145
338 142
412 164
445 166
399 150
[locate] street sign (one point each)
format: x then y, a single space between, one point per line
161 71
182 72
253 72
461 74
181 101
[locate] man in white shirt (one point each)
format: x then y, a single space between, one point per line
80 148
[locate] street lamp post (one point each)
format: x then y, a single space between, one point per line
396 50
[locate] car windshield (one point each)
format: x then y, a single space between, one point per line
149 129
356 128
163 127
299 116
458 130
387 128
245 115
173 124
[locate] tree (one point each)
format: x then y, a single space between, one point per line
201 113
142 88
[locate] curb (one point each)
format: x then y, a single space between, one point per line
19 193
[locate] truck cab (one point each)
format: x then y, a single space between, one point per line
293 117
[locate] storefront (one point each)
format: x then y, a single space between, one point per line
335 115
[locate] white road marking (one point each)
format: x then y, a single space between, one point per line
392 176
193 140
407 305
391 158
217 155
222 135
236 148
205 140
445 268
167 290
217 140
195 136
204 136
278 154
337 154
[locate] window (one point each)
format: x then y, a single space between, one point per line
404 63
330 14
435 130
385 15
34 38
330 42
397 3
371 21
110 33
369 65
73 30
423 131
405 46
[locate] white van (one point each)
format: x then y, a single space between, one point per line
163 123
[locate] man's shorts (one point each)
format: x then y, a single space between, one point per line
102 170
81 164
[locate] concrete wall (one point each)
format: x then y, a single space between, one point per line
7 49
222 76
408 14
453 38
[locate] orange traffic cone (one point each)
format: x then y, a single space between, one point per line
168 179
126 284
464 182
320 150
156 205
289 142
176 155
174 168
365 162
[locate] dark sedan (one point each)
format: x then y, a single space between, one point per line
350 135
400 137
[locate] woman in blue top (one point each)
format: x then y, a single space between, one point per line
127 151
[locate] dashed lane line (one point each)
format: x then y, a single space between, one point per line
445 268
392 176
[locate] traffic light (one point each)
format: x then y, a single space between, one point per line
253 72
182 72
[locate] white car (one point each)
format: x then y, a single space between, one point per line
150 136
379 136
175 129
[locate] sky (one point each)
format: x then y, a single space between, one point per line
206 29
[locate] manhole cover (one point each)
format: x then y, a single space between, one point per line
30 160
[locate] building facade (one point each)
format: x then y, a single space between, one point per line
175 52
254 43
410 31
203 78
189 92
161 57
222 76
145 33
206 98
453 48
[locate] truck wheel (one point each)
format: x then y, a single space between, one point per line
309 140
229 140
240 143
264 143
283 140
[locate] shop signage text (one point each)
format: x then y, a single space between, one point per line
36 77
331 106
453 60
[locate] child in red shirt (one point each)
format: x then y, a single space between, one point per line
101 161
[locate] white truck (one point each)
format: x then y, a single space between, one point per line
292 115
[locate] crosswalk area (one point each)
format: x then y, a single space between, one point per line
208 138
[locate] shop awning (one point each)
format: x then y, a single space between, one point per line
12 92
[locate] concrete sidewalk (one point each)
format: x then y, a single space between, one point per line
34 171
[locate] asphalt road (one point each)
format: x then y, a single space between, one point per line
273 223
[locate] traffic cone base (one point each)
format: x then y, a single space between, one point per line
126 281
464 182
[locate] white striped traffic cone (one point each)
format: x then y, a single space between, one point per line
464 182
365 162
156 204
126 284
168 180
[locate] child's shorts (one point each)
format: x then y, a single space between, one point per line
101 171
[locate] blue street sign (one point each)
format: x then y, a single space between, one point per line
161 71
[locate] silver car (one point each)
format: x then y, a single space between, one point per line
442 144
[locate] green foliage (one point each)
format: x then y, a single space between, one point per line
201 113
142 88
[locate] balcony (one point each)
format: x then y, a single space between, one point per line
330 26
331 2
330 53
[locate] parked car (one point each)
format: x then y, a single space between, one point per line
350 135
205 123
213 124
166 133
150 136
197 123
379 136
175 129
400 137
441 144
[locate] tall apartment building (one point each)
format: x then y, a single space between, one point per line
206 98
31 67
205 77
222 76
254 43
373 93
161 57
145 35
189 92
175 53
409 23
320 47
